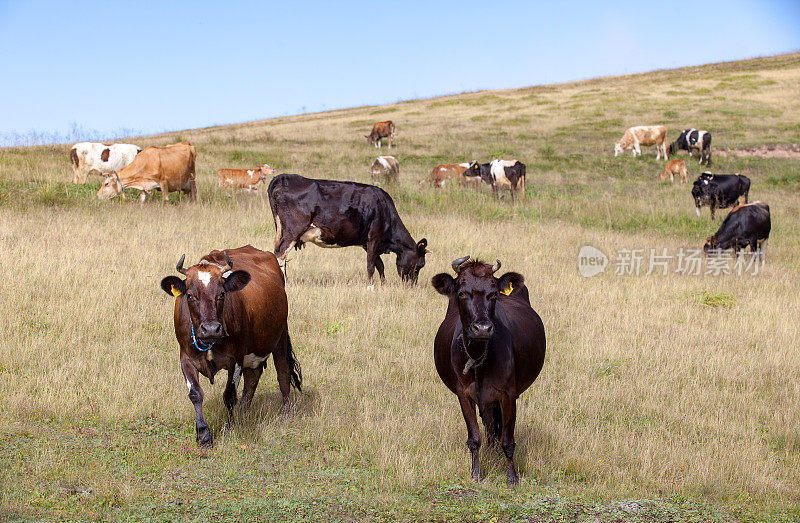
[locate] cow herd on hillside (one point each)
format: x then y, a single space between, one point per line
231 307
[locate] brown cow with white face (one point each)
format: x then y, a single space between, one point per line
231 313
379 131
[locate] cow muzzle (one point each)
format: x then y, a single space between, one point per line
481 330
210 330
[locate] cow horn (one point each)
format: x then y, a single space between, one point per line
496 267
457 263
228 260
179 267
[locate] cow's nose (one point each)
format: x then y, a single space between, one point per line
481 329
210 329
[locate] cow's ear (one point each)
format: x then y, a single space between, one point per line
173 286
421 247
443 283
510 281
236 281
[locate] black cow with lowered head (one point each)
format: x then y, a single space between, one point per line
331 213
746 225
693 140
719 191
489 349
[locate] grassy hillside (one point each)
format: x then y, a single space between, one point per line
662 397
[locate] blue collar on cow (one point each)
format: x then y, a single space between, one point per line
199 345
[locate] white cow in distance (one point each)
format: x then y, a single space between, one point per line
87 157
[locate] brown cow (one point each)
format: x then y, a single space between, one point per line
675 167
231 313
244 178
167 169
643 135
381 130
387 166
455 171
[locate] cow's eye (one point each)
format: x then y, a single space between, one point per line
492 295
189 297
221 296
463 294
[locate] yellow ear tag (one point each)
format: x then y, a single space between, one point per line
175 291
508 289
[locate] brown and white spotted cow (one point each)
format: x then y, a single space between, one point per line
635 137
244 178
452 171
379 131
385 166
675 167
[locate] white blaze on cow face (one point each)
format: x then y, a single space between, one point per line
204 277
188 384
697 210
383 161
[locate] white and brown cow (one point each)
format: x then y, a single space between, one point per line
385 166
455 171
379 131
87 157
244 178
635 137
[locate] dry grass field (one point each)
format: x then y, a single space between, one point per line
670 397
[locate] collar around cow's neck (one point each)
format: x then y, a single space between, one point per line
198 344
472 363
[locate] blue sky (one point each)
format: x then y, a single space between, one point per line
152 66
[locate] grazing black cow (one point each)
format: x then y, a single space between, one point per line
719 191
745 225
693 140
489 349
342 214
500 173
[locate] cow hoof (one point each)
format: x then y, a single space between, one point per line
512 480
205 440
371 287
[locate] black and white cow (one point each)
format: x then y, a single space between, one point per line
719 191
692 140
500 173
746 225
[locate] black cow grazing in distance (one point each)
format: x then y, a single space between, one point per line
500 173
489 349
342 214
746 225
693 140
719 191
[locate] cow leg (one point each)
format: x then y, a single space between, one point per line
251 377
379 266
494 191
390 141
164 192
142 197
712 212
229 396
473 433
204 437
192 191
508 408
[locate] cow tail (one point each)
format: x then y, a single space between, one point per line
521 185
73 156
495 430
295 372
